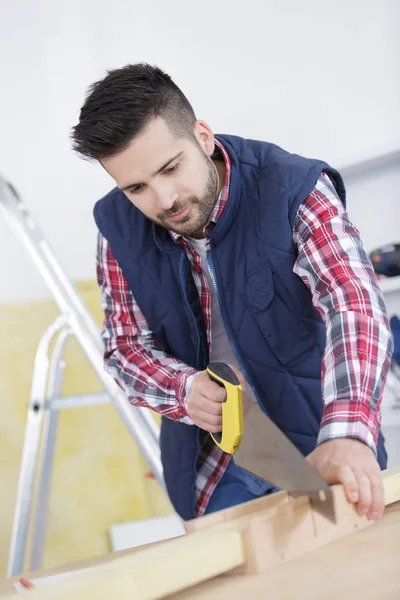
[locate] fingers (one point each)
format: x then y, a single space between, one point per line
209 406
204 403
208 427
212 390
206 414
353 464
365 490
209 422
349 481
378 498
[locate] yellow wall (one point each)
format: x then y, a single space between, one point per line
98 472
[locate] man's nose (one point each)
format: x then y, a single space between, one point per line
166 197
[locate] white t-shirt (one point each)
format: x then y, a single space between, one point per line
221 349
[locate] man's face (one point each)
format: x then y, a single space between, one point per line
171 180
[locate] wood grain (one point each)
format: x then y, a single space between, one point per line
364 565
391 482
152 573
241 510
277 532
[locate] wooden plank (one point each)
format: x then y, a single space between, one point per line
152 573
363 565
347 520
241 510
7 585
275 535
391 482
271 539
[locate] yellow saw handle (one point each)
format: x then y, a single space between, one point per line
232 408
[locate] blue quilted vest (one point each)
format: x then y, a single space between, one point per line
276 333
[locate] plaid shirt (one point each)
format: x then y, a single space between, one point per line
333 264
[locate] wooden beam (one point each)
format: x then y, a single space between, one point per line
391 482
274 534
152 573
272 501
364 565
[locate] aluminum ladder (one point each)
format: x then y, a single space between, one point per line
45 400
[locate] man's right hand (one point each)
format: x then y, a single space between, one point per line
204 403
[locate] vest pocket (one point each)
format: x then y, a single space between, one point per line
277 315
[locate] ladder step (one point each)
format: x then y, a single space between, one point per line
77 401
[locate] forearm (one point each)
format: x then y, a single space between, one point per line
355 365
133 356
334 265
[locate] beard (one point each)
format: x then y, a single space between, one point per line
201 206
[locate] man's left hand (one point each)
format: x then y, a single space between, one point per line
353 464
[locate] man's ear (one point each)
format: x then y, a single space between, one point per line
204 136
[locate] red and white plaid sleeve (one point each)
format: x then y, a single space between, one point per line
335 266
133 356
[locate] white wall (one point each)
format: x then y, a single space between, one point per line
318 79
373 200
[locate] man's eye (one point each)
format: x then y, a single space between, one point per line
136 190
171 170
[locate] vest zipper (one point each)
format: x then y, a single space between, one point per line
198 447
228 330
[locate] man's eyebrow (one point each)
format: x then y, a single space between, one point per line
164 166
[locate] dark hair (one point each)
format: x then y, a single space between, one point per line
119 106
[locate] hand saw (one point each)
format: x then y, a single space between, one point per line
278 461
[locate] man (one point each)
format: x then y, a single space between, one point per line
221 248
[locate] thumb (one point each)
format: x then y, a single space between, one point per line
240 376
328 471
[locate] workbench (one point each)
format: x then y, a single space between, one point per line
365 564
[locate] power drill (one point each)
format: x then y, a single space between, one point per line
386 260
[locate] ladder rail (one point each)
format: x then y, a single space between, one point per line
139 421
49 435
26 229
30 450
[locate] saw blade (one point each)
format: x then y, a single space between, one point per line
266 452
